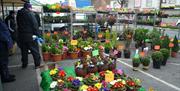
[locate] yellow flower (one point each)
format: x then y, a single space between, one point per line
53 72
60 81
83 87
98 85
123 82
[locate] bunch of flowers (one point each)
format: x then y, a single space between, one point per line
91 79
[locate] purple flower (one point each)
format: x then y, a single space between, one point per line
76 82
119 71
60 68
105 89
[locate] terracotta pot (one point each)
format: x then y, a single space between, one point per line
65 55
56 57
85 53
73 55
173 54
46 56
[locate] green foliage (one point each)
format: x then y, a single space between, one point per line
72 48
145 60
114 38
153 35
165 42
165 53
107 34
136 60
140 34
176 46
55 49
128 33
45 48
157 56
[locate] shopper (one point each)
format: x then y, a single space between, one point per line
10 22
5 44
27 28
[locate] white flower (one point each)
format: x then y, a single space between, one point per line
85 48
53 84
119 80
123 82
113 82
79 78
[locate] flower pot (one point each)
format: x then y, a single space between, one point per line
80 72
92 69
127 53
135 66
112 66
173 54
156 64
119 54
73 55
85 53
46 56
56 57
65 55
107 50
145 67
164 62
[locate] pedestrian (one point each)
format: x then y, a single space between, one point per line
11 23
5 44
27 28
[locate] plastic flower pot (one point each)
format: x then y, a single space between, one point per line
157 64
127 53
107 50
56 57
80 72
73 55
173 54
46 56
164 61
85 53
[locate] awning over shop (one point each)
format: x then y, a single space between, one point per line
12 2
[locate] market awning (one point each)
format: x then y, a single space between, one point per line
11 2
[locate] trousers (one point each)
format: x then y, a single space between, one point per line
4 54
34 48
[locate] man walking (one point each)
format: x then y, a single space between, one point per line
27 28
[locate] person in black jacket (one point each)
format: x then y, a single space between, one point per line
5 44
27 28
11 23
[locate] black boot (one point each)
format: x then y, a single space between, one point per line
9 79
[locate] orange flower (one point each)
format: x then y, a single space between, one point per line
107 41
48 34
55 33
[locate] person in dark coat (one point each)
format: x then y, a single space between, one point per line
27 28
11 23
5 44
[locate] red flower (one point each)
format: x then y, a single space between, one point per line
102 73
62 73
92 89
118 85
131 83
70 78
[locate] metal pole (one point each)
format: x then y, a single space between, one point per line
71 25
13 6
2 5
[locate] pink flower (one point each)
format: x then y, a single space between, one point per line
119 71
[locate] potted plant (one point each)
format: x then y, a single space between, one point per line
101 20
80 69
86 48
175 49
145 61
108 46
136 62
165 42
165 53
73 51
111 20
56 52
157 58
46 52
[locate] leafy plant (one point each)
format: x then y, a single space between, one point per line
100 20
153 35
165 52
45 48
111 20
136 60
72 48
55 49
157 56
140 34
165 42
145 60
176 46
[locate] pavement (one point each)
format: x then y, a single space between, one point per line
165 79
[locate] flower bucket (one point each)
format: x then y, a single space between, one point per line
85 53
56 57
73 55
46 56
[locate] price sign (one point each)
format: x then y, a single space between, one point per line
157 47
109 77
171 45
74 42
95 53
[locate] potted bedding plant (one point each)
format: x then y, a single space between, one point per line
73 51
56 52
46 52
145 61
175 49
157 58
166 54
135 62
